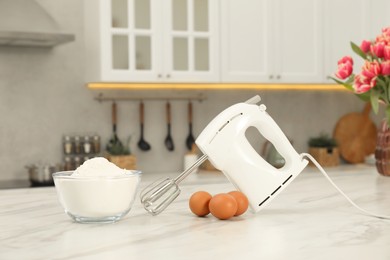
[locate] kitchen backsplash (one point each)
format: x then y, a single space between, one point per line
43 96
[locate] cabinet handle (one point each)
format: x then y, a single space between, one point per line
168 75
278 77
159 75
271 76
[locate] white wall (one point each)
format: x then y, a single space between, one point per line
42 97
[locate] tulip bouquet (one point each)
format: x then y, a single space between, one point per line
373 81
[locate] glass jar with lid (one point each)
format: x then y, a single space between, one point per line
77 145
96 144
87 145
67 144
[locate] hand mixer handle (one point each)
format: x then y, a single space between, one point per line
272 132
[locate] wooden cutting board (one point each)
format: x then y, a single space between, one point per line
356 134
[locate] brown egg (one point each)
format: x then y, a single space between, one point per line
199 203
223 206
242 202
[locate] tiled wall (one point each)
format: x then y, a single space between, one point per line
42 96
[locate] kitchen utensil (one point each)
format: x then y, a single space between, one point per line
168 140
355 134
142 144
114 145
190 138
158 195
41 174
224 143
228 149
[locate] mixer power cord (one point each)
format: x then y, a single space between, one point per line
319 167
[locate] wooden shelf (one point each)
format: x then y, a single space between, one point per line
34 39
221 86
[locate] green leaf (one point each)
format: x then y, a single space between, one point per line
364 96
387 88
350 80
358 51
387 112
381 82
345 84
374 100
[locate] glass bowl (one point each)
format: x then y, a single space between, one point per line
97 199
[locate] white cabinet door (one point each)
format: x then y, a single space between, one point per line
144 40
379 17
298 42
133 41
246 39
191 41
341 28
122 40
271 41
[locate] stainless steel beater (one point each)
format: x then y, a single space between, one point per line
158 195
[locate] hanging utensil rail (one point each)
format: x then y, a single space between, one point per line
102 98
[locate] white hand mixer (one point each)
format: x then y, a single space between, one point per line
224 144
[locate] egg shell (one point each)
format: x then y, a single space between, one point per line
199 203
242 202
223 206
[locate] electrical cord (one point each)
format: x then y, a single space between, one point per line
319 167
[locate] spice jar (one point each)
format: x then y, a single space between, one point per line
77 145
68 164
67 144
77 162
87 146
96 144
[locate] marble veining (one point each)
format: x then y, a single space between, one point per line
308 220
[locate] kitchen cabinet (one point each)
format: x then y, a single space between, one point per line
151 40
340 30
271 41
363 21
369 17
379 16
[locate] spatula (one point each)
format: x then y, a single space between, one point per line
168 140
114 145
190 138
142 144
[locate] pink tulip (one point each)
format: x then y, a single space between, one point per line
345 67
386 52
382 38
378 49
373 82
385 68
345 59
365 46
371 69
344 70
386 31
362 85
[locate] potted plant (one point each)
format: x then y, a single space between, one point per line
324 149
120 154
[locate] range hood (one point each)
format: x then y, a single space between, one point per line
27 23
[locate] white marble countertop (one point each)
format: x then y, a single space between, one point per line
308 220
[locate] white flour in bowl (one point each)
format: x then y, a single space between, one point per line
98 166
98 190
